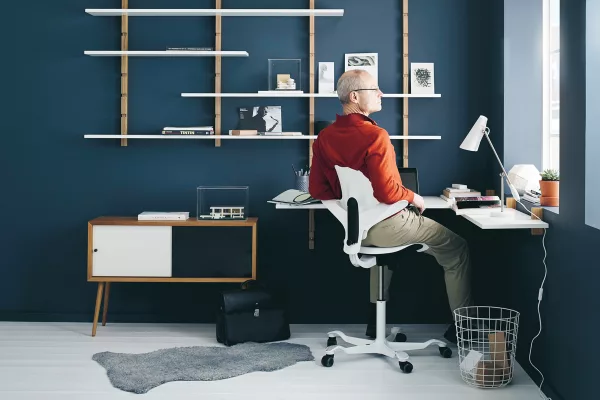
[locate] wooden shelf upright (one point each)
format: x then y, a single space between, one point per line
218 75
405 80
124 70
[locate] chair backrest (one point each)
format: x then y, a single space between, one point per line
355 184
358 210
410 178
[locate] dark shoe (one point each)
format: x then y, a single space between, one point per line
372 322
450 334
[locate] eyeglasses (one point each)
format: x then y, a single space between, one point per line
358 90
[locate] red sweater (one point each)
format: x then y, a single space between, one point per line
355 141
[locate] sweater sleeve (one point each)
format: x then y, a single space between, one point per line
383 172
318 185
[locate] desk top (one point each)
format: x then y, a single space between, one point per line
432 202
514 220
189 222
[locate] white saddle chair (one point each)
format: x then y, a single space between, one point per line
358 211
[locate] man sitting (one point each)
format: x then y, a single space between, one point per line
356 141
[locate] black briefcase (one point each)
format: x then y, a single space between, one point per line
251 313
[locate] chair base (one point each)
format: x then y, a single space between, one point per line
382 345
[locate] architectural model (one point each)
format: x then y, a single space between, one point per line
220 212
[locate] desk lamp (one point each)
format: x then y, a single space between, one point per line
471 143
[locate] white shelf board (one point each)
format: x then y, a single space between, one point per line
113 12
283 94
165 53
212 137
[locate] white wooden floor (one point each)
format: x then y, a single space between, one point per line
52 361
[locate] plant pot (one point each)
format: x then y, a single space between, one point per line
550 190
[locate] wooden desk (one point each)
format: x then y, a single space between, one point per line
123 249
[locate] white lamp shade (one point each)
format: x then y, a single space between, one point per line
471 142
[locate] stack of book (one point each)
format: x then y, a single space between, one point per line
458 191
476 205
532 196
188 130
163 216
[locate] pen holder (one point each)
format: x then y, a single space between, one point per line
302 183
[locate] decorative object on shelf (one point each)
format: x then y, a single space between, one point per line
326 77
261 119
422 78
525 178
549 186
471 143
366 61
222 202
285 74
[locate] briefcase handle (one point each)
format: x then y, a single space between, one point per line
251 284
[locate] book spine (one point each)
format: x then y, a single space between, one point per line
182 132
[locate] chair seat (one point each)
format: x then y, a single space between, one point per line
381 250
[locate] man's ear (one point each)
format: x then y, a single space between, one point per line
353 97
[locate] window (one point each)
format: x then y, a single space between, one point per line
551 85
592 105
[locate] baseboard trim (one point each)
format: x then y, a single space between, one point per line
88 317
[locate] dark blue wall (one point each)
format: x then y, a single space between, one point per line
569 307
55 181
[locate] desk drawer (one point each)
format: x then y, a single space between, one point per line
122 250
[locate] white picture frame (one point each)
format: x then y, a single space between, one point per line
422 80
326 77
366 61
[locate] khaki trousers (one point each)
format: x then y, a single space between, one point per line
449 249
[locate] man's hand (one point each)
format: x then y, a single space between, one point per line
419 203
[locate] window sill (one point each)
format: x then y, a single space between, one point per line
528 205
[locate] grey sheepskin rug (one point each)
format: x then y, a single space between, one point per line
139 373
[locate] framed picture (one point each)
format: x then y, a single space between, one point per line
366 61
262 119
326 77
421 78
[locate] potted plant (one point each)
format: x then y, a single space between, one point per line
549 188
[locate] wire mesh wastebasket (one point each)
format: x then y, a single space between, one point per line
487 344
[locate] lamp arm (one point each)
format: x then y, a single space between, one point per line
510 185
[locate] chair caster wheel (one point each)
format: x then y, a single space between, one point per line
332 341
445 352
406 367
327 360
400 337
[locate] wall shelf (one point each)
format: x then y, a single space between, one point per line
165 53
270 137
213 12
283 94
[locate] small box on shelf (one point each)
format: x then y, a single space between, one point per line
222 202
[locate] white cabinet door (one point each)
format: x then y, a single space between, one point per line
120 250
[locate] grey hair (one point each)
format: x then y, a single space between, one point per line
348 82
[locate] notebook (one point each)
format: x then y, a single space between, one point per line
293 196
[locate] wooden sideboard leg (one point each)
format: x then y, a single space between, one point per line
254 239
105 305
97 311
